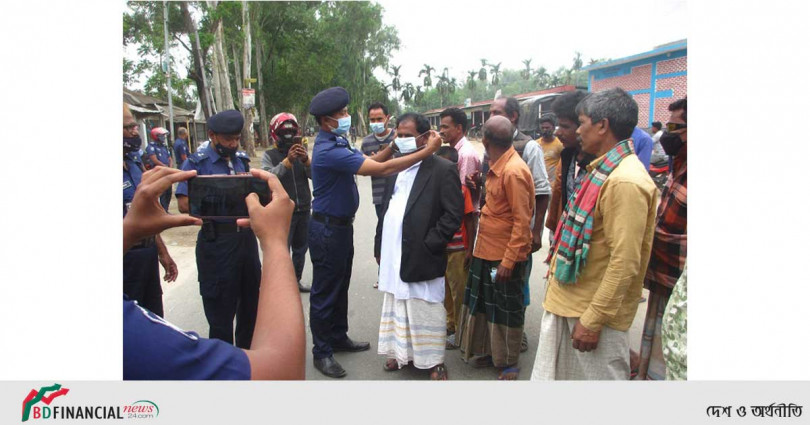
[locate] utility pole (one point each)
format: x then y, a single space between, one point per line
168 71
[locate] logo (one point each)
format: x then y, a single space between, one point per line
42 395
141 409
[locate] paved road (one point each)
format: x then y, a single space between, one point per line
183 305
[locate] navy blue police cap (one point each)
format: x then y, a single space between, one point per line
226 122
329 101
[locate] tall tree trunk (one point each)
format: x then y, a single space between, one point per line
199 65
237 72
224 79
263 124
250 145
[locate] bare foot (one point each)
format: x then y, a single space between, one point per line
509 374
391 365
438 373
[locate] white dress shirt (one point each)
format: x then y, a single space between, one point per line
391 250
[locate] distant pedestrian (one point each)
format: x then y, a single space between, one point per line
159 155
181 151
551 145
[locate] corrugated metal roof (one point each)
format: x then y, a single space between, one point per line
521 96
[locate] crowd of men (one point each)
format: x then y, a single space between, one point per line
454 241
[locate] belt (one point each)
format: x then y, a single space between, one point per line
330 219
230 227
146 243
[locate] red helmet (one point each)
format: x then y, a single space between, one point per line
284 123
157 131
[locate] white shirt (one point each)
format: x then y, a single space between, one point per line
431 291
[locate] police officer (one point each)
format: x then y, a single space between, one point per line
290 162
181 146
228 265
331 245
158 154
141 272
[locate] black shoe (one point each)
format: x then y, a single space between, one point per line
329 367
351 346
302 288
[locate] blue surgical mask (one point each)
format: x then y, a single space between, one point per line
344 124
377 127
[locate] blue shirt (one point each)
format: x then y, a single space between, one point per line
207 162
156 349
644 145
132 177
334 164
160 150
180 149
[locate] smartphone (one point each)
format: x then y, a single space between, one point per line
297 140
224 196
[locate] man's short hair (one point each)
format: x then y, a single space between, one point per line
422 123
181 131
502 141
377 105
616 106
449 153
549 118
458 116
512 106
657 124
565 106
679 104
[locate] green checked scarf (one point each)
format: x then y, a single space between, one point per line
573 235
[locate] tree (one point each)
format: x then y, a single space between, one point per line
247 130
527 72
495 71
395 83
471 81
427 70
482 73
541 77
408 92
577 61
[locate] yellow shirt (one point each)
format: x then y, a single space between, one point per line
551 154
608 290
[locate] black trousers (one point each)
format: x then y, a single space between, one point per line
142 278
230 273
298 240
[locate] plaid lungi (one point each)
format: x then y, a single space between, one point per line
652 366
491 319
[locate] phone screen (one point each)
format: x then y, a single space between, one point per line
297 140
224 196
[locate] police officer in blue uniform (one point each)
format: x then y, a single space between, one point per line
158 153
331 247
141 272
228 265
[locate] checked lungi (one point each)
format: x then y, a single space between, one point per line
491 319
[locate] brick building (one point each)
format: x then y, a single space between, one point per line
654 79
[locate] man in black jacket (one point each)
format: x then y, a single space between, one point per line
290 162
422 209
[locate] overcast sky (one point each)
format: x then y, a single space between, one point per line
458 34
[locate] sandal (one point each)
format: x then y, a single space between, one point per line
524 343
513 373
391 365
439 373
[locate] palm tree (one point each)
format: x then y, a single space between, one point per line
541 77
407 92
427 70
471 81
495 71
482 73
418 94
577 61
395 83
527 72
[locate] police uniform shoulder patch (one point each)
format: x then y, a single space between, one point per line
342 143
197 157
127 184
242 154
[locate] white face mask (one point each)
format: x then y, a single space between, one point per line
407 145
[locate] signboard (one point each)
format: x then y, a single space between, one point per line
248 98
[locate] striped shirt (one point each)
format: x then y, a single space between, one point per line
371 145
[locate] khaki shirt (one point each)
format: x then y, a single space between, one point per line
609 288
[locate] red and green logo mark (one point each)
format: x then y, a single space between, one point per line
45 395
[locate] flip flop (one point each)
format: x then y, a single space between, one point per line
439 373
388 368
509 370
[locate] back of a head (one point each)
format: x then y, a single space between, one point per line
449 153
420 122
458 116
616 106
498 131
565 106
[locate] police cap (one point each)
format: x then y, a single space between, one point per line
226 122
329 101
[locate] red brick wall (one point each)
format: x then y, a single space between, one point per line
643 100
671 65
638 79
678 87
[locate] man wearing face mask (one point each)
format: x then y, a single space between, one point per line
331 246
158 153
290 162
228 265
668 257
141 272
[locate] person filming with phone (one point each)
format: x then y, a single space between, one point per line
156 349
290 162
228 266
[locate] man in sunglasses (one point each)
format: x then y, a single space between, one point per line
668 257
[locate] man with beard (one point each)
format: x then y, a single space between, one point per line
290 162
141 272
